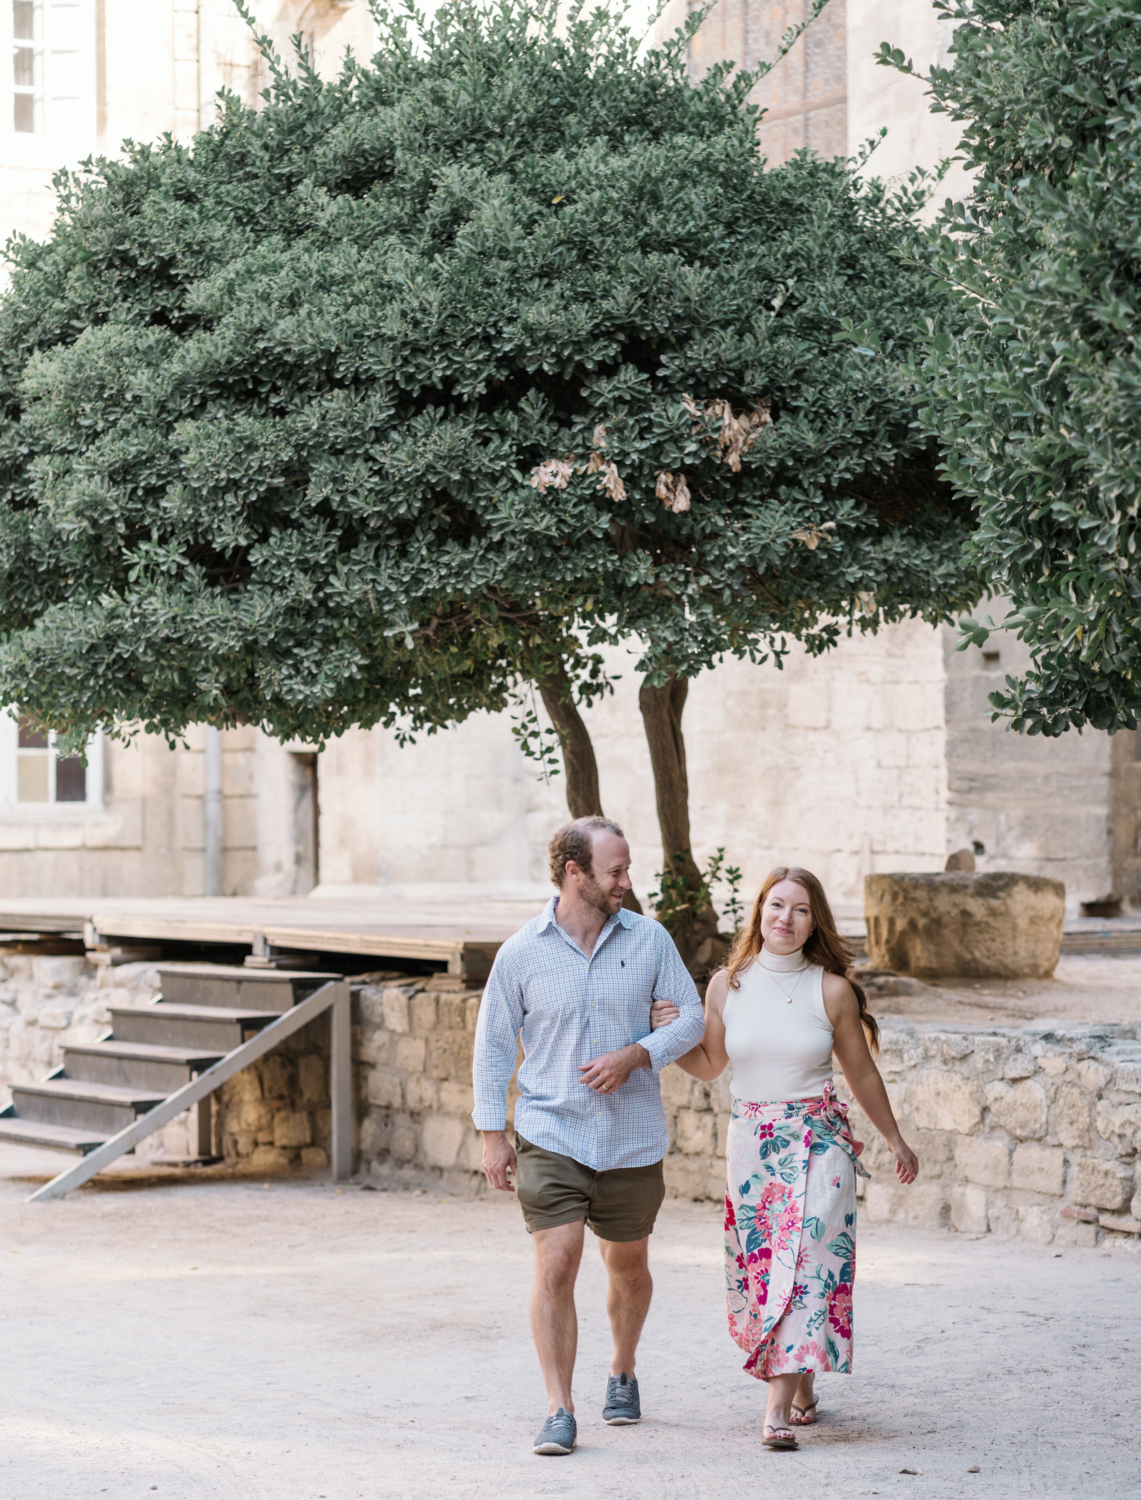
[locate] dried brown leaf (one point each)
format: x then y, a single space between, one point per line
552 474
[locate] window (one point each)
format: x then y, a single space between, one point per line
35 777
53 65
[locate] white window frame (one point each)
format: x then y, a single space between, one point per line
62 29
13 810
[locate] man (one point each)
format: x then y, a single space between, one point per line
578 982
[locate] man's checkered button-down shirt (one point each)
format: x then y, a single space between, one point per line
571 1009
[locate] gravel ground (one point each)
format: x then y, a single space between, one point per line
193 1338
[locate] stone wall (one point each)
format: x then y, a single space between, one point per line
1031 1132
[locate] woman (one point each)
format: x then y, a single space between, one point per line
778 1012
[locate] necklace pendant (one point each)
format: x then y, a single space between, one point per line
789 1001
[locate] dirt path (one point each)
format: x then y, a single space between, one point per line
1085 988
199 1340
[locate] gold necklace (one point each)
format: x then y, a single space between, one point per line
788 994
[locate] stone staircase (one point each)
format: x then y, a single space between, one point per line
207 1023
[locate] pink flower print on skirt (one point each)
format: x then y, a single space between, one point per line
790 1234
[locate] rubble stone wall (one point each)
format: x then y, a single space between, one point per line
1032 1132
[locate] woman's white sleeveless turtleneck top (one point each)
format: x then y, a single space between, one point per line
780 1048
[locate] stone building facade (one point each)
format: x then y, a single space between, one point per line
879 756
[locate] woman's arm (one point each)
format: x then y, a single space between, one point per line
708 1060
850 1044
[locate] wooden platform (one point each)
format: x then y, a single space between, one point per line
462 934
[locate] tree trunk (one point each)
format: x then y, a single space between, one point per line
583 798
661 714
581 768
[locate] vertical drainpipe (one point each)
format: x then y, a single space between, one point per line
212 812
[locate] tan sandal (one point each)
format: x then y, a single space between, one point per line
779 1437
804 1420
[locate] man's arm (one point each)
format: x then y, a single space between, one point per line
674 983
496 1047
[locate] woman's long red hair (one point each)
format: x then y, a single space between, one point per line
825 946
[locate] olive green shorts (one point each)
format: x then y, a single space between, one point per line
619 1205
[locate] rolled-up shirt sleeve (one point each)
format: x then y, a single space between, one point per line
674 983
496 1045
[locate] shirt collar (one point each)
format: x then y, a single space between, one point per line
547 919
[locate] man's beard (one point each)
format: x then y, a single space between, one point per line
593 895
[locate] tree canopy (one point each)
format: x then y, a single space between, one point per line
1036 395
410 383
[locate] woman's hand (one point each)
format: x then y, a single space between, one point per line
662 1012
906 1162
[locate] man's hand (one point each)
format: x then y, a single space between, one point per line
610 1072
498 1159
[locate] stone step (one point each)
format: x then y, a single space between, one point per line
136 1065
198 1026
82 1105
237 988
59 1137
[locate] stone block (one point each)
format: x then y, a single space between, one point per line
1074 1235
311 1078
723 1123
1094 1075
695 1132
969 1209
1102 1184
396 1011
1135 1206
314 1156
1070 1117
1053 1067
1039 1169
997 924
471 1152
292 1128
1118 1123
1002 1220
677 1088
944 1101
449 1055
60 973
385 1089
685 1176
422 1014
451 1012
374 1136
1019 1063
983 1160
1020 1109
411 1052
368 1006
884 1203
402 1142
456 1098
1127 1077
421 1093
720 1094
268 1159
441 1138
925 1205
1120 1223
471 1012
1034 1224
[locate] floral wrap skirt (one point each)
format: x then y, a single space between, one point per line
790 1234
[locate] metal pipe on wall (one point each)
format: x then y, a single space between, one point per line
212 812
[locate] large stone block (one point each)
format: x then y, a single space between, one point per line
385 1089
969 1209
884 1203
1102 1184
1119 1123
1070 1116
1021 1110
292 1128
696 1132
984 1161
1034 1223
1039 1169
944 1101
997 924
441 1137
925 1205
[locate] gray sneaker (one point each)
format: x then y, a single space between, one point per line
559 1434
622 1404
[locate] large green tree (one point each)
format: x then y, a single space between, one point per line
1036 395
437 377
